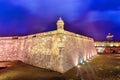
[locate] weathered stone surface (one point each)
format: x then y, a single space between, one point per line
57 50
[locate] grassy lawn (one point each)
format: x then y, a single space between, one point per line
102 67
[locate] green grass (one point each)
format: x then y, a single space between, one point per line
102 67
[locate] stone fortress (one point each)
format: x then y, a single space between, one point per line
58 50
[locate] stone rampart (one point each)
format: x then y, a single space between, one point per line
56 50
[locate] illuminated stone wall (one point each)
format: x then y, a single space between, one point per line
12 49
41 50
56 50
59 50
76 48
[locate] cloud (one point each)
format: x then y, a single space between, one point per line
70 9
110 15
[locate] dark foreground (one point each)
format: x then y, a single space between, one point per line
102 67
21 71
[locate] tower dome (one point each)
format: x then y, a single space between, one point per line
60 24
109 37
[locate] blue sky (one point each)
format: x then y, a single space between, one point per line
93 18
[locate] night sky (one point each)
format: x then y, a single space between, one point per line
93 18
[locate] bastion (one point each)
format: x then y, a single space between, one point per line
58 50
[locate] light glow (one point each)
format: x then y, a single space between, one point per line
100 50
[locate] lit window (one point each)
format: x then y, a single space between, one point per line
111 44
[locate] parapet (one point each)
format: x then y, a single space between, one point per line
60 30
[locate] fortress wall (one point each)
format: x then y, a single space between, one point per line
12 49
76 49
56 50
39 51
43 51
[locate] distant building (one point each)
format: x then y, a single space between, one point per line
109 37
108 46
